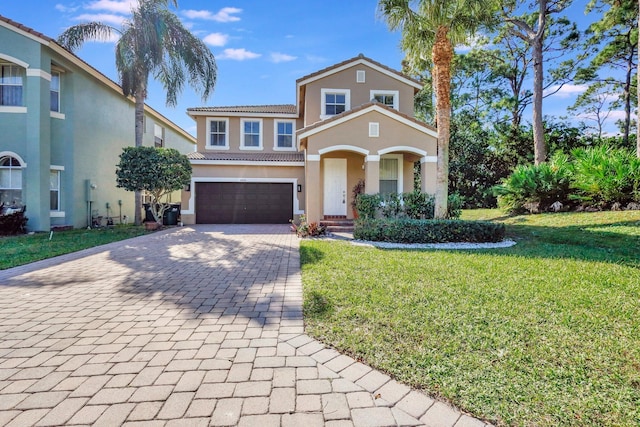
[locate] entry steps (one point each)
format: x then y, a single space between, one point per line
337 225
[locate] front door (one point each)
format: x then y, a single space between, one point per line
335 187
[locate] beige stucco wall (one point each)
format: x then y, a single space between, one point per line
242 173
355 132
234 133
360 93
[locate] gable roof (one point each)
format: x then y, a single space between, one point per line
278 109
76 60
361 110
360 59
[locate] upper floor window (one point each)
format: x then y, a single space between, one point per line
10 181
55 91
11 77
158 135
335 101
386 97
217 134
251 134
284 135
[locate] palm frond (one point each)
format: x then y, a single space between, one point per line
74 37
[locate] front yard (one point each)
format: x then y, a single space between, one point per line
544 333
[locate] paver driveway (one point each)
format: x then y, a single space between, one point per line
190 326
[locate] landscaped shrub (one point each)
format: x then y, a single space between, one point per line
307 229
427 231
535 188
414 205
603 176
13 223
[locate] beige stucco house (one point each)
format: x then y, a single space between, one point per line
270 163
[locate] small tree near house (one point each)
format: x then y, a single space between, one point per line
158 171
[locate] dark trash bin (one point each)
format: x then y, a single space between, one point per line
171 215
148 216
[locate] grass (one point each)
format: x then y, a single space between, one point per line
23 249
544 333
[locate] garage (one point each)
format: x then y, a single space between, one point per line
243 203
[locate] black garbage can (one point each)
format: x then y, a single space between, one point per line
171 215
148 216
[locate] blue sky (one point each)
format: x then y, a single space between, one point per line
261 47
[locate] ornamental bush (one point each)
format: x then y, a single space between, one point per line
414 205
13 223
428 231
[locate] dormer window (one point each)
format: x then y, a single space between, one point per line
335 101
386 97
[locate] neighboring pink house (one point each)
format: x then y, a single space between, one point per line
271 163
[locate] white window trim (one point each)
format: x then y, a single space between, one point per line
12 109
57 169
400 159
361 76
208 145
56 115
293 135
395 93
242 146
323 98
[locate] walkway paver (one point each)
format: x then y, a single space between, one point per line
189 326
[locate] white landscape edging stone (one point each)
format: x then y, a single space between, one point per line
507 243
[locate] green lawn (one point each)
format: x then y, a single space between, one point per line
544 333
19 250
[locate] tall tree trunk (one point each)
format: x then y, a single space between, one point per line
442 55
539 147
627 99
139 131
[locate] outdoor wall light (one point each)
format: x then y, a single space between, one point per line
187 187
299 188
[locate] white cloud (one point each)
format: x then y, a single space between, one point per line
223 15
566 91
115 6
282 57
216 39
238 54
106 18
315 59
65 9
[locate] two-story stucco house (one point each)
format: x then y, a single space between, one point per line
269 163
63 125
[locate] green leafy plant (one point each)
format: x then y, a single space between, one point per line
414 205
307 229
13 223
428 231
356 191
158 171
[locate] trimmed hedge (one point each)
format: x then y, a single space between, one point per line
428 231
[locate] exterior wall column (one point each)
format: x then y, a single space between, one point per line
428 169
372 174
38 148
313 205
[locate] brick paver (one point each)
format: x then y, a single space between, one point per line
188 326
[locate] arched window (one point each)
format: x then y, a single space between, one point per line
10 181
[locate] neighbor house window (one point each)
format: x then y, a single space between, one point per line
158 135
217 134
11 85
389 175
54 190
386 97
335 101
251 135
10 181
55 91
284 135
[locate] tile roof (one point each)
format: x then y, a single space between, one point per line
355 58
260 109
25 29
360 108
249 157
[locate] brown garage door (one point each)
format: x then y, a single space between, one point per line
243 203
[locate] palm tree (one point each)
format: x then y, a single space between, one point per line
152 41
435 27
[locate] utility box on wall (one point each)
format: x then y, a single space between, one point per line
89 188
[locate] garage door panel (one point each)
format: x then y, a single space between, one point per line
243 203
